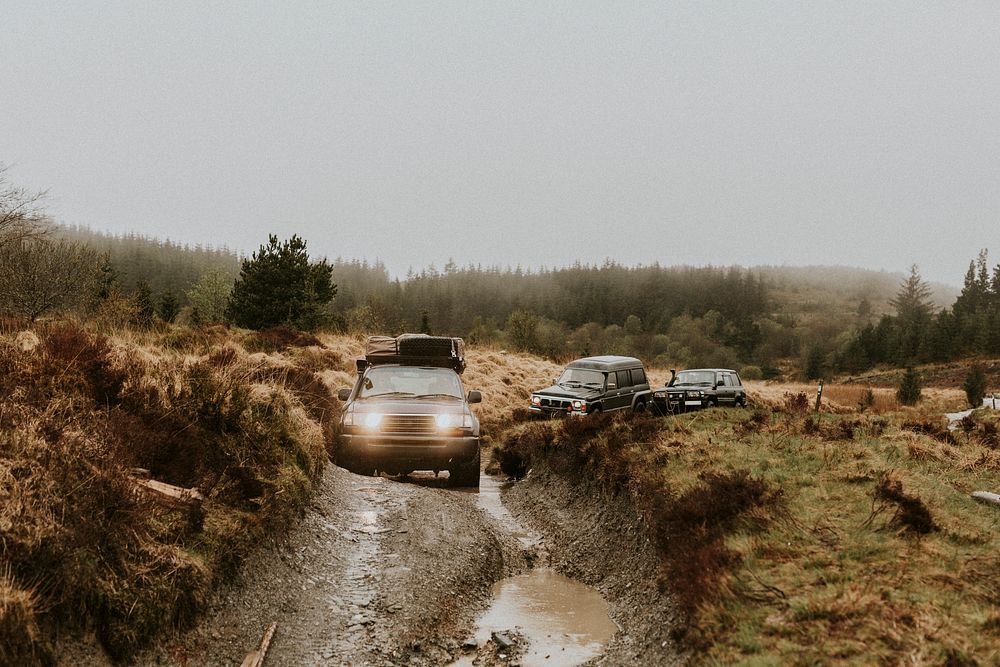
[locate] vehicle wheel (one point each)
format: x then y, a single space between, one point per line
357 467
466 474
741 402
639 407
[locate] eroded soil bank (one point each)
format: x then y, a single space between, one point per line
597 540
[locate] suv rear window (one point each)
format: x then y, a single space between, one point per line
623 379
638 376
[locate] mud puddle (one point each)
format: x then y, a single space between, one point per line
550 620
540 617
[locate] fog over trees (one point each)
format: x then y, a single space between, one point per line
767 321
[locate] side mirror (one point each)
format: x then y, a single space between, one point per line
343 394
475 397
361 365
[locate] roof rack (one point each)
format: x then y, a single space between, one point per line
415 350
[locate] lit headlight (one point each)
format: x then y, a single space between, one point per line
536 400
446 421
577 405
373 419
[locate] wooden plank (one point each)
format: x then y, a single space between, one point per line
256 658
168 494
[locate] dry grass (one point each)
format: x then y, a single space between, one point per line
841 398
80 549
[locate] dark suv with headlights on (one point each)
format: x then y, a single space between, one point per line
700 388
594 384
408 411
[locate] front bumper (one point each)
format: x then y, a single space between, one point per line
413 452
679 402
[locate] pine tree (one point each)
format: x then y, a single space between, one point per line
278 285
169 307
815 363
975 385
145 309
909 390
913 310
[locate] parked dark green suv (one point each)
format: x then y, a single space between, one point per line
700 388
595 384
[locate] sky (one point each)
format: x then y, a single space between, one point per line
533 134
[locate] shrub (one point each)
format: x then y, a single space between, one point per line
690 529
796 403
908 512
751 373
909 391
867 400
279 339
975 385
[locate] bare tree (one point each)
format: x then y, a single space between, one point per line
39 276
21 214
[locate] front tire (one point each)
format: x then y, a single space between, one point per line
639 407
466 474
358 467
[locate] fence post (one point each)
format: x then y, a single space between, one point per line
819 394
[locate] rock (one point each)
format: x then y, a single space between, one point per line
469 645
503 640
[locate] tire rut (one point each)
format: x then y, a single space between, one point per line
377 572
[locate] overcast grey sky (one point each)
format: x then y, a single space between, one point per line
858 133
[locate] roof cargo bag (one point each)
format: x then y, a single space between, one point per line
417 350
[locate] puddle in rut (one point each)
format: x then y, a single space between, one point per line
562 621
554 619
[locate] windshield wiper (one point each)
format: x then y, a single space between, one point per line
591 384
570 383
457 398
389 393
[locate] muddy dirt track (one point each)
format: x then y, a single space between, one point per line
397 572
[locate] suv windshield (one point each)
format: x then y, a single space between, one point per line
408 381
695 377
577 377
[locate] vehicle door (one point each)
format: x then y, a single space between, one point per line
621 395
726 393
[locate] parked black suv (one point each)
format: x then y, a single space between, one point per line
595 384
408 411
700 388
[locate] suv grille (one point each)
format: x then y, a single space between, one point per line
555 403
409 424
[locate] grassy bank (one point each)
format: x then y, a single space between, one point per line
242 417
792 538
